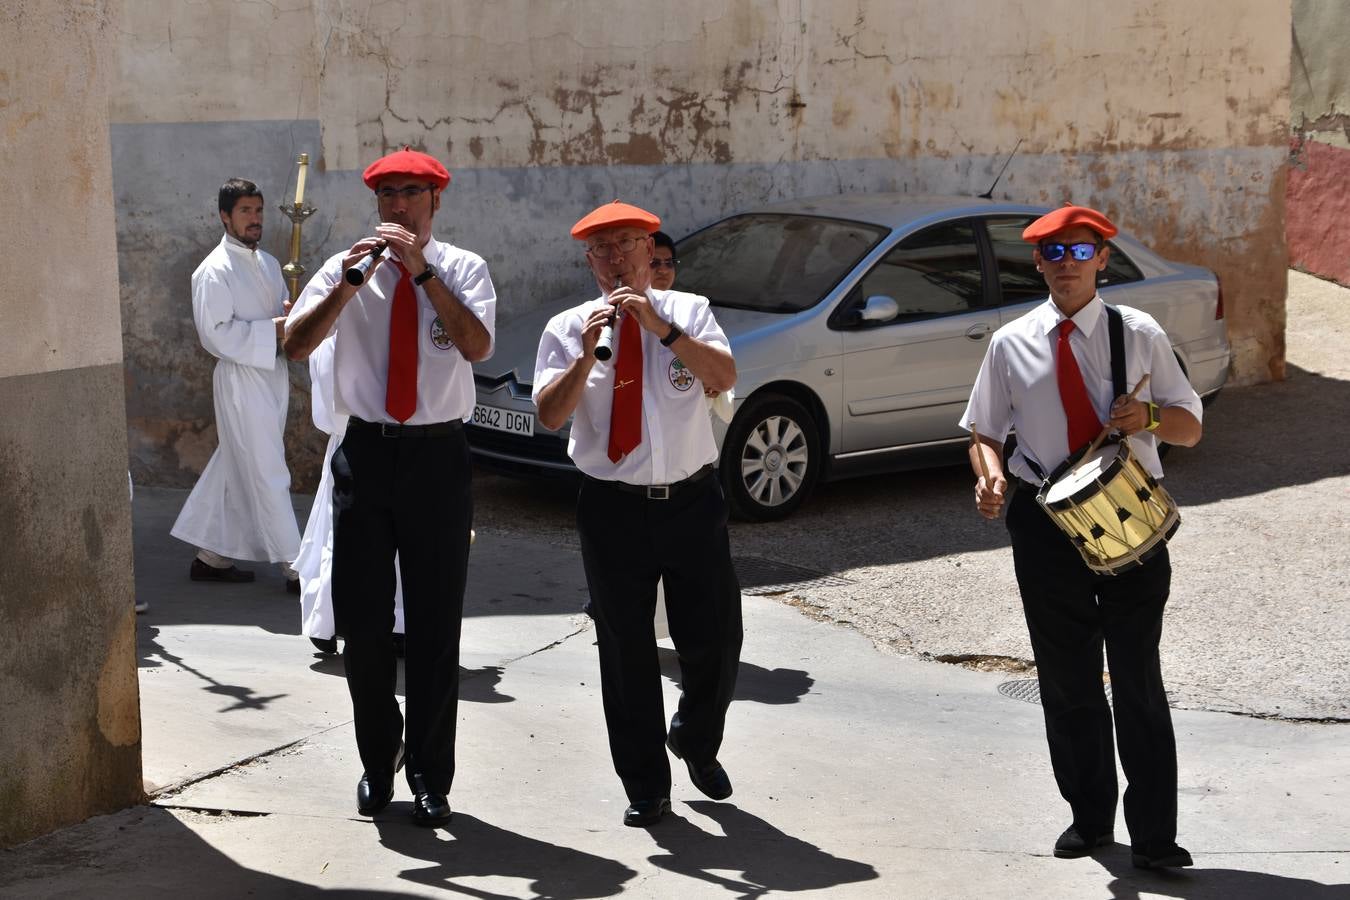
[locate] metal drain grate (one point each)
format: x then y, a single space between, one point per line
1029 690
765 576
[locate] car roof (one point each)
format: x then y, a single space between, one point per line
894 210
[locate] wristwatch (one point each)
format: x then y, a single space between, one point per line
427 274
1153 420
673 336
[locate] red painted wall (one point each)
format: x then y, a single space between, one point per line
1317 212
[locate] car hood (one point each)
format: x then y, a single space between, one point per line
516 343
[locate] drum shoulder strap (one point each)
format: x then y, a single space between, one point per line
1116 329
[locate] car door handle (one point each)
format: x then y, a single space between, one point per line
977 332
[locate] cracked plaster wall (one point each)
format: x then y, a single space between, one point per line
1174 117
1319 173
69 710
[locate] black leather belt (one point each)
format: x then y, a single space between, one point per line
394 430
657 491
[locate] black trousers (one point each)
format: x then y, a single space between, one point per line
627 543
1071 614
408 496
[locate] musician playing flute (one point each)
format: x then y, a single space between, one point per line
1048 375
241 507
407 333
650 507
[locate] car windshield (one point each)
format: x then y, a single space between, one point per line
773 262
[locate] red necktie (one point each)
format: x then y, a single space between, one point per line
1083 421
400 395
625 415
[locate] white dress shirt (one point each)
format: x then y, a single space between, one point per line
1017 387
677 438
361 352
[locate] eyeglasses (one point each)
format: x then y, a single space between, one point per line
664 263
604 250
411 192
1082 252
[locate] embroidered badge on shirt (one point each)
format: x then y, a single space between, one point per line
680 377
439 336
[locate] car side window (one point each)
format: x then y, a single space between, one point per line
1119 269
935 272
1018 280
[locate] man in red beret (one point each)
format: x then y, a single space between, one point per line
650 508
1049 376
407 331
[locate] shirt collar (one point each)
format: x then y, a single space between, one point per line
234 243
1085 320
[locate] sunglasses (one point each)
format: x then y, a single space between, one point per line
411 192
664 263
1082 252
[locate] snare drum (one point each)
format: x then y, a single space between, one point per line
1111 508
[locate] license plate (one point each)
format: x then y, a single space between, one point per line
508 420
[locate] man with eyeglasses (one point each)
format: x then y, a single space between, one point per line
650 506
1048 376
405 341
663 261
240 508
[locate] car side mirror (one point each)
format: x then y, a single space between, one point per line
879 308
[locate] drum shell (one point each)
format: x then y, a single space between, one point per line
1118 520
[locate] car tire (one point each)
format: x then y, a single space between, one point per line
771 458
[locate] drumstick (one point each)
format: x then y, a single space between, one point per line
1106 429
979 452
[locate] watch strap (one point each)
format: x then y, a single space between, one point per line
427 274
673 336
1154 419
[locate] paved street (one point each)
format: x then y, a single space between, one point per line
863 767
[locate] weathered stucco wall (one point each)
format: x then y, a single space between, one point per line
1319 173
69 715
1174 117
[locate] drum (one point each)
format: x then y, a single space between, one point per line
1111 508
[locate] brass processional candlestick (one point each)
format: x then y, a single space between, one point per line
297 211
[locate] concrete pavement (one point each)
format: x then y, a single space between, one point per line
858 773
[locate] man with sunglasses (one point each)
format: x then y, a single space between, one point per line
1048 376
405 341
663 261
650 506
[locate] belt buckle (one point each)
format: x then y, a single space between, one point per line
658 492
388 430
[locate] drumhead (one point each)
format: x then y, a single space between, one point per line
1082 475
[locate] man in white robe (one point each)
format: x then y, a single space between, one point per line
241 507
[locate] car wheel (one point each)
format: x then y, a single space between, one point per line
770 459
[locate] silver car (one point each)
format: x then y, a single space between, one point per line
858 323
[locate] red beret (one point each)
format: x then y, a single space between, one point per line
614 215
1067 216
408 162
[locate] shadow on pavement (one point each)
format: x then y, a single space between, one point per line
768 859
140 852
1202 883
753 683
483 850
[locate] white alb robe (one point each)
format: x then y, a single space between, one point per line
241 505
315 560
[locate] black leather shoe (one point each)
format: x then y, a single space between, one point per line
641 813
1172 857
200 571
324 645
1073 843
429 808
710 777
373 792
